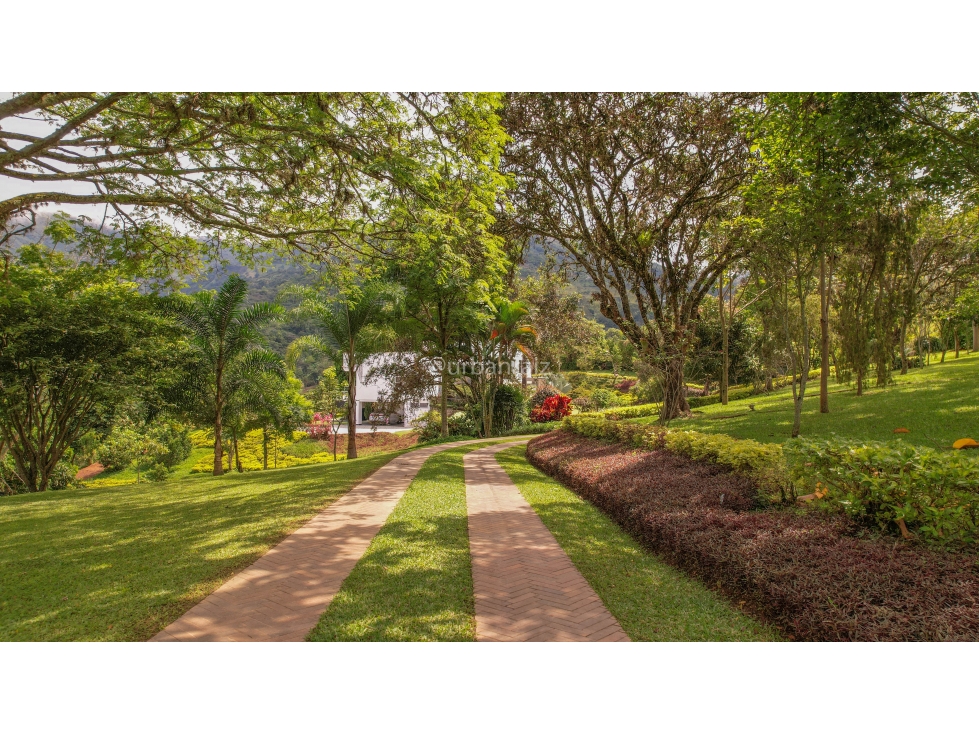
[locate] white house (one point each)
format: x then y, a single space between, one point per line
371 387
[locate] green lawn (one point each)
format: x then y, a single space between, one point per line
415 580
938 404
119 563
652 600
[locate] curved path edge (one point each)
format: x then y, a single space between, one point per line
282 595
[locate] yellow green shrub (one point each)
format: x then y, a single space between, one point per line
764 463
202 439
250 450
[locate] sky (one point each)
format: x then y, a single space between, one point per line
12 187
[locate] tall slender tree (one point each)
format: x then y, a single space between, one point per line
352 327
226 336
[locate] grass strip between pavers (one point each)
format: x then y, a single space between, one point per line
120 563
414 583
652 600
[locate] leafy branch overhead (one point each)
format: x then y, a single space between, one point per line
311 174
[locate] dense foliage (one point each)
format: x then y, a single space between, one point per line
75 343
934 494
813 575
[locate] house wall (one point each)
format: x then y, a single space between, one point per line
367 392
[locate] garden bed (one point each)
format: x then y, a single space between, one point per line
816 576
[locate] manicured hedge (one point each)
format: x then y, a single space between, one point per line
734 393
628 411
817 576
592 380
528 429
762 462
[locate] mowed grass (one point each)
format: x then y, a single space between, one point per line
937 404
652 600
414 583
120 563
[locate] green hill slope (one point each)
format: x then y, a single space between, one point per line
937 404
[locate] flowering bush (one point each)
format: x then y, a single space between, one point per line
538 398
554 408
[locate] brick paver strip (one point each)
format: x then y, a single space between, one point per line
526 586
282 595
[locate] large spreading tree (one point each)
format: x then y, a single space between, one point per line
75 343
635 187
312 174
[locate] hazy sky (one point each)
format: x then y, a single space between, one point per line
12 187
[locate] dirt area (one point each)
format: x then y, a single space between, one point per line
92 470
374 443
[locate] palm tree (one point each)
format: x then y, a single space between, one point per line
272 402
226 337
508 335
510 332
351 330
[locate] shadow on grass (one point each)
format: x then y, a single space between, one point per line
119 563
413 584
415 580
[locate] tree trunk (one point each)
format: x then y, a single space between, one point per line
928 341
351 406
803 373
975 335
724 341
234 443
823 338
956 341
674 390
218 446
859 380
803 380
489 401
444 398
265 447
796 402
904 349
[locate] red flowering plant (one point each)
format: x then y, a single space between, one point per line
321 426
553 408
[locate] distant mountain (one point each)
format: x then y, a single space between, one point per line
265 283
536 255
42 220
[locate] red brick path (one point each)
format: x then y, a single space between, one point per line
281 596
526 586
